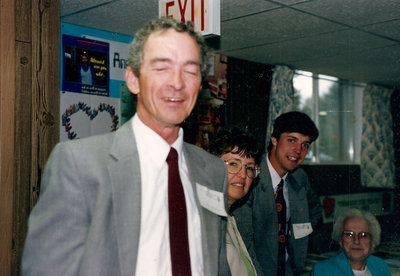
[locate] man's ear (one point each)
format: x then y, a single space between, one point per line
132 82
274 141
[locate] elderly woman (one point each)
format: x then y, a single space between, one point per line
357 232
240 152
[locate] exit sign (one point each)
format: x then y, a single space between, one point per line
205 14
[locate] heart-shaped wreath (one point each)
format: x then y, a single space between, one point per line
91 113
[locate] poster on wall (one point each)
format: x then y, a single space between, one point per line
92 68
85 67
118 60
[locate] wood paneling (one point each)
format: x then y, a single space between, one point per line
29 125
7 93
23 26
23 109
22 167
45 87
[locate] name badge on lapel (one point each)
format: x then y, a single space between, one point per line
211 200
301 230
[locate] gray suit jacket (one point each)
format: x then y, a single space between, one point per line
257 221
87 221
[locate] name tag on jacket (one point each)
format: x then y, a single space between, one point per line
301 230
211 200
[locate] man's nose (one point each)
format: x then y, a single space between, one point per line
297 147
176 79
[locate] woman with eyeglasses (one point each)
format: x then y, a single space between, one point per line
358 232
239 150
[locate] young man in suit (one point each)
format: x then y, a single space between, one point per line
258 219
103 208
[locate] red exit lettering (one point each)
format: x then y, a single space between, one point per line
182 7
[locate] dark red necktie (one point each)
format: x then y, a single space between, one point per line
281 210
178 233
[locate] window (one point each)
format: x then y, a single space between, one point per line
335 107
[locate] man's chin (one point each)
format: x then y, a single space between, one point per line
291 169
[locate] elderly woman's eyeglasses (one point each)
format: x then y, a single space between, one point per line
234 166
351 236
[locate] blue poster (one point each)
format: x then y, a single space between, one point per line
92 80
85 66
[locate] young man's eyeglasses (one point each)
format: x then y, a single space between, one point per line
351 236
234 166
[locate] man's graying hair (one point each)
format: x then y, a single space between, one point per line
136 47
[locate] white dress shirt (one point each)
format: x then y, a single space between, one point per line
154 256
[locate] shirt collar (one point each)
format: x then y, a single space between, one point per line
155 147
274 175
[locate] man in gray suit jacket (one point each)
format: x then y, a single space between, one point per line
103 208
257 219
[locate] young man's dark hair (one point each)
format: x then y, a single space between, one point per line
294 121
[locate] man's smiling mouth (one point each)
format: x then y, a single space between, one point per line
169 99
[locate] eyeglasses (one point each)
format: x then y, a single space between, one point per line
235 166
351 236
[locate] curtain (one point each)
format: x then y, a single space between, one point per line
395 103
281 96
377 152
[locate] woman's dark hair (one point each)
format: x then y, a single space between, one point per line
237 141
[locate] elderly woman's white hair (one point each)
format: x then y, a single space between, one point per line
373 225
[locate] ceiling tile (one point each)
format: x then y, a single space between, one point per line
239 8
370 66
390 29
123 16
353 12
271 26
72 6
315 47
289 2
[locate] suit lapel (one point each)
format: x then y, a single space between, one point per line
266 186
194 163
293 183
298 197
196 168
124 170
266 207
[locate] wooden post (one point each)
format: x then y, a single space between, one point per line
7 93
45 86
29 114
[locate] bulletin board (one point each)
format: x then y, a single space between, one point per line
90 98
